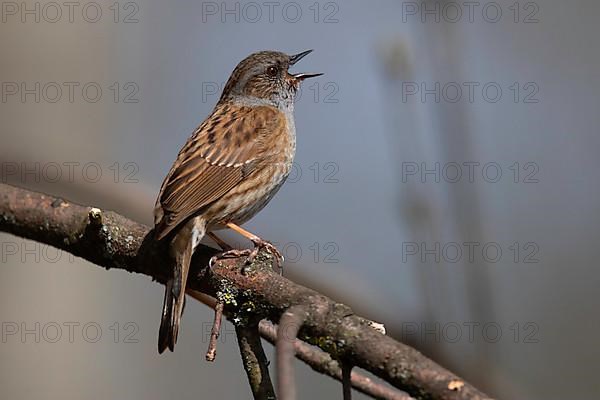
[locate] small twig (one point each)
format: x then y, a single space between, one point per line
346 381
255 362
214 333
289 325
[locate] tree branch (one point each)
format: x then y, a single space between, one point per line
255 362
113 241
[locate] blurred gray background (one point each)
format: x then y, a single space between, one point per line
446 184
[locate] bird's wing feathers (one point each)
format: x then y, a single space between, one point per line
224 150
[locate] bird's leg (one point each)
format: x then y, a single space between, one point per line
258 244
220 242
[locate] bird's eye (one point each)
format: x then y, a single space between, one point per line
272 71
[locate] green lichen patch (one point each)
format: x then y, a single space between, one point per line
326 343
227 293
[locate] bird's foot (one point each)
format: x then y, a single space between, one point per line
233 253
250 255
269 247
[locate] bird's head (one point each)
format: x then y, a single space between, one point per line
265 75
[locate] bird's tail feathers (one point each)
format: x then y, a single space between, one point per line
181 249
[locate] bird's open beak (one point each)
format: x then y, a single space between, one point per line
297 57
303 75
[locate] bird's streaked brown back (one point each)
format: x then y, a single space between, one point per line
219 155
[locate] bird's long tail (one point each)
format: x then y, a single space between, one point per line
181 249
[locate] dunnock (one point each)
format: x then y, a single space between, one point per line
229 169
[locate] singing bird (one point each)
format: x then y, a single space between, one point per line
228 170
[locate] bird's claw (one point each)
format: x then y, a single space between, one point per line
251 254
263 244
233 253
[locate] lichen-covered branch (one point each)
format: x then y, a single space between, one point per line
113 241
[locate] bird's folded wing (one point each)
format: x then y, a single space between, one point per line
224 150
